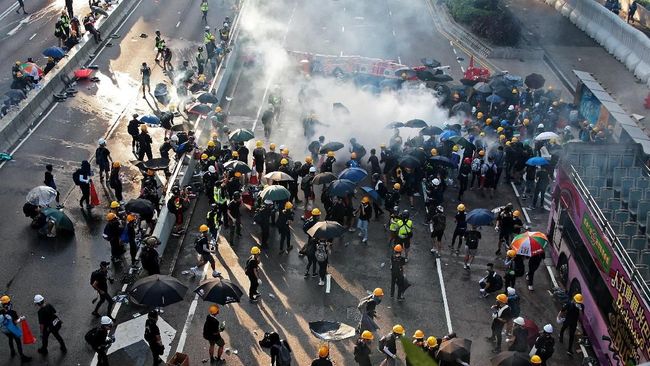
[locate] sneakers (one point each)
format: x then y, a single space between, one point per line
216 274
530 288
306 274
289 248
42 351
351 229
400 299
314 274
364 240
321 283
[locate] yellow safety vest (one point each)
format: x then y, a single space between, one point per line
393 224
204 6
405 228
218 197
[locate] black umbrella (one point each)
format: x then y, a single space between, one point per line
461 107
442 160
455 349
482 87
219 291
241 135
501 87
510 358
419 154
416 123
459 140
331 331
431 130
207 98
237 166
199 108
326 230
534 81
395 125
341 188
324 178
331 146
140 206
154 164
157 291
425 75
409 162
430 62
441 78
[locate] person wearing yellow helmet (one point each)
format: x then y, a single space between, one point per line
397 263
488 121
460 229
368 308
144 143
283 223
535 360
8 310
389 343
131 224
323 357
434 152
509 276
212 329
272 159
571 313
479 115
252 272
115 181
204 248
112 232
418 341
309 249
364 214
472 239
328 163
362 348
259 156
432 347
501 315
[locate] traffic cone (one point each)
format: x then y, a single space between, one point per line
28 337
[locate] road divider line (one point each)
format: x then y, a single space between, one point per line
8 11
190 315
32 37
178 24
444 296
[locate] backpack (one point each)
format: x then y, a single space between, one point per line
93 277
76 177
321 252
472 240
249 266
92 338
306 182
476 165
284 355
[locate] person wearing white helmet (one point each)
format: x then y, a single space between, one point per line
100 340
544 344
49 323
519 339
307 188
103 159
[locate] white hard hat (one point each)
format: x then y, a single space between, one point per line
511 107
440 209
473 110
548 328
211 169
282 147
207 28
568 128
519 321
312 169
174 138
268 202
101 141
511 291
541 125
106 320
38 299
436 181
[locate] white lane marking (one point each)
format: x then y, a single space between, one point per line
342 29
20 24
190 316
178 24
550 274
32 37
455 53
5 13
444 295
390 13
341 53
399 60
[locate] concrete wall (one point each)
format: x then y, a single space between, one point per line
15 124
627 44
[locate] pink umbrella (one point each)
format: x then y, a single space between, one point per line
83 73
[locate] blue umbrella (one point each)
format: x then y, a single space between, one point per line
341 187
55 52
537 161
493 98
356 175
446 134
150 119
480 217
371 192
505 123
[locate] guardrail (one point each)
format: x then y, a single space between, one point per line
183 172
627 44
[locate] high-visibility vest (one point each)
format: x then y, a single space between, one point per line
393 224
219 198
405 228
207 37
204 6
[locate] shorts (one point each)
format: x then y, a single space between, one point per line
207 257
104 167
259 168
469 251
218 340
438 235
405 242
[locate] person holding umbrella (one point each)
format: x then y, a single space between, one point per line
362 348
212 329
251 270
152 336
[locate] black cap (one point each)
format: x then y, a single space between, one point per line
104 263
153 314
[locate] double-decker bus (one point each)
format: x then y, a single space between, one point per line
598 232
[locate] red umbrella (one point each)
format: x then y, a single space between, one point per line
83 73
532 329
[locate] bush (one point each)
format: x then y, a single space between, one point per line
487 19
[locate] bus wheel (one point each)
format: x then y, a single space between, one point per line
563 270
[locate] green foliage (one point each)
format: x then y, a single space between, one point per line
416 356
487 19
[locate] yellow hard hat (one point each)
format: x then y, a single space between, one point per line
367 335
237 174
397 248
578 298
514 91
288 205
418 334
382 145
526 121
115 204
5 299
255 250
536 360
323 351
284 162
143 128
479 115
116 164
211 143
315 212
365 199
308 159
502 137
515 139
235 154
204 156
285 151
516 213
378 292
213 309
460 207
272 146
508 143
397 186
111 216
203 228
482 134
552 141
434 152
432 341
502 298
130 218
488 121
500 129
259 143
353 155
481 153
330 153
511 253
397 328
455 148
218 109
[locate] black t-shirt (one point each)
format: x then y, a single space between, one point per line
46 315
473 237
99 277
151 331
397 265
460 220
251 264
572 312
233 209
321 362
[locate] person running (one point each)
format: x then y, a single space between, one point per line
152 336
472 238
51 182
461 228
99 281
203 248
364 212
212 329
145 72
49 323
81 177
9 322
115 181
367 306
388 345
362 348
397 263
21 5
437 225
251 270
571 312
285 219
100 340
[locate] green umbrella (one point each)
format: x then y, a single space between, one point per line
61 220
275 193
241 134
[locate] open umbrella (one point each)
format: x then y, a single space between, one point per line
141 207
157 291
395 124
237 166
480 217
153 164
546 136
431 130
356 175
41 196
510 358
83 73
371 192
461 107
537 161
482 87
331 331
241 135
446 134
529 243
331 146
409 161
278 176
534 81
326 230
207 98
455 349
150 119
275 193
30 68
324 178
416 123
442 160
425 75
406 72
341 188
459 140
219 291
533 331
493 98
441 78
198 109
430 62
61 221
54 52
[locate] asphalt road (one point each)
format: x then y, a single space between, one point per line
60 268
